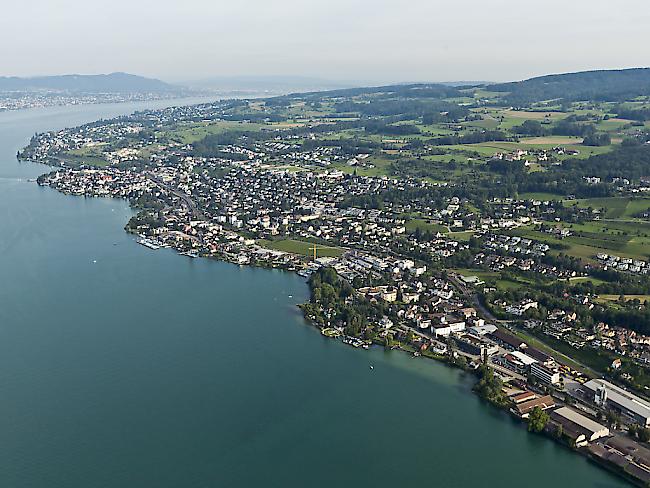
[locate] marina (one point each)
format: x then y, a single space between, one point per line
148 243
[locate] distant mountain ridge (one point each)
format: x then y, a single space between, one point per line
600 85
271 84
118 83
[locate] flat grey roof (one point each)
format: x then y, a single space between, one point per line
579 419
621 397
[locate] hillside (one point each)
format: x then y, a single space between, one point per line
609 85
108 83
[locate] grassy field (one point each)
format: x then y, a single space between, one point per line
424 225
541 196
508 285
528 115
593 238
91 156
461 236
627 298
491 277
596 237
490 148
582 279
484 275
194 132
555 140
616 207
301 248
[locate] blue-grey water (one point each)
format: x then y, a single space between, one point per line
125 367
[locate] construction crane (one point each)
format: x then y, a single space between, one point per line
314 250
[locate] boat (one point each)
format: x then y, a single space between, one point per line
372 367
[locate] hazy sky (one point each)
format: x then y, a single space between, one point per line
369 40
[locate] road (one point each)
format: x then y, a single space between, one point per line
187 200
472 297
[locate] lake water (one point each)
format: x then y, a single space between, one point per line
125 367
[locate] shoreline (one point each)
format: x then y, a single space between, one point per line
145 99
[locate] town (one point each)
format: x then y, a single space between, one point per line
397 258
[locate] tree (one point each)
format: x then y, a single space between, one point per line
632 430
530 128
490 386
388 341
409 336
537 420
613 419
460 361
597 139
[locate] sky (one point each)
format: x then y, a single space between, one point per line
342 40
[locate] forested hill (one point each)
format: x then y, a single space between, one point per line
610 85
413 90
108 83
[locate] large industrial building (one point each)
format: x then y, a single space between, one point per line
578 427
610 396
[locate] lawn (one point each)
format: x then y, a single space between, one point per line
583 279
540 196
190 133
90 156
616 207
527 115
302 248
554 140
424 225
461 236
481 273
486 123
492 147
381 167
611 125
596 237
614 298
508 285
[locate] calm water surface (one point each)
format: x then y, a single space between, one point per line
125 367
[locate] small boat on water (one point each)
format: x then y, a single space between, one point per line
372 367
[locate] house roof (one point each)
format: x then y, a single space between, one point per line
544 403
507 338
